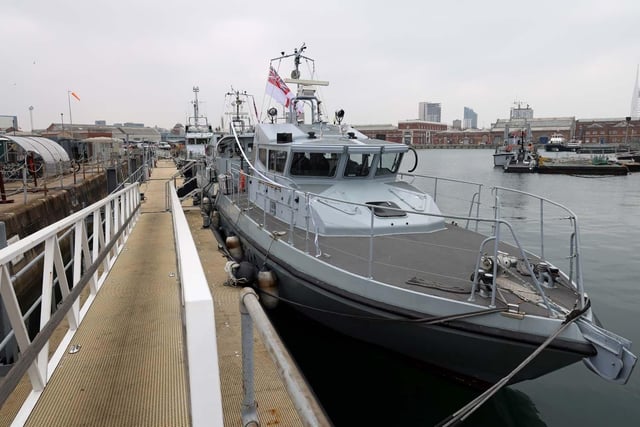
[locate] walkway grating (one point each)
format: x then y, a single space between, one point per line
130 370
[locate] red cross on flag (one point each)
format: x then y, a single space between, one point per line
278 89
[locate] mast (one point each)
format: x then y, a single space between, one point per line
306 89
196 113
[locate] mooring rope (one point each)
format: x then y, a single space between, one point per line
464 412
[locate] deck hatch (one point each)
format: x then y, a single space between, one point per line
382 211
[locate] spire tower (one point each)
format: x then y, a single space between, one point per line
635 98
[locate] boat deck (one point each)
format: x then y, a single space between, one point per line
439 263
131 366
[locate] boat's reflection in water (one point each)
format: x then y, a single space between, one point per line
361 384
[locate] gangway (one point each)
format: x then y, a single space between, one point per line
126 332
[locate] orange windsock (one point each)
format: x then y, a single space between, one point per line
75 96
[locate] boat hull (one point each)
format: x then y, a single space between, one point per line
501 159
461 348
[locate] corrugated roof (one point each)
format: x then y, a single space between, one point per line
50 151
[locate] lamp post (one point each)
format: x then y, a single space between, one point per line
62 123
31 116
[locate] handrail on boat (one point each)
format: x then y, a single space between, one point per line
574 238
497 222
437 179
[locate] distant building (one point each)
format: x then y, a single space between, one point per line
430 112
385 132
520 112
80 131
537 130
8 122
419 132
100 122
620 130
470 119
410 132
462 137
457 124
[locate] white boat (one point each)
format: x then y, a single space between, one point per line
558 142
557 139
503 154
513 144
198 134
237 120
523 161
319 216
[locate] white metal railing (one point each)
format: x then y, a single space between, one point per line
99 234
298 205
199 318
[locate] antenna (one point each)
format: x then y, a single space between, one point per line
196 113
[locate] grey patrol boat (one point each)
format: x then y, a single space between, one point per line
319 216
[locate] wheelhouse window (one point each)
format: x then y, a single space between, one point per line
262 155
358 164
321 165
388 163
277 160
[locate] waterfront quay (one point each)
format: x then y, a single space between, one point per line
127 352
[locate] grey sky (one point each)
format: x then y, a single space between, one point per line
138 60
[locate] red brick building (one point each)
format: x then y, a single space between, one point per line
589 131
608 131
419 132
411 132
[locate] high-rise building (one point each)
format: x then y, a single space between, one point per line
429 111
470 119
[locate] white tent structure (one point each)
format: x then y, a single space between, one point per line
54 157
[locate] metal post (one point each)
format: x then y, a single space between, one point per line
44 178
249 409
371 244
24 178
308 409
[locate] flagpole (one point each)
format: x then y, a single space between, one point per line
70 118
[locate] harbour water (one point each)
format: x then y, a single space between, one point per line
360 384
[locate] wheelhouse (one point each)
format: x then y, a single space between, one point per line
322 162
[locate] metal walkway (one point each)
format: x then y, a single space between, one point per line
138 344
130 368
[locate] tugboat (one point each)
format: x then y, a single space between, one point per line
319 216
